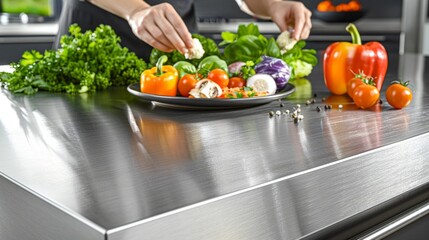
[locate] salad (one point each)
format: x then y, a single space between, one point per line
250 65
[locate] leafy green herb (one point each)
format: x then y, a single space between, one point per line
300 60
209 46
86 62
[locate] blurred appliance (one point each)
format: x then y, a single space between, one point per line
27 25
383 26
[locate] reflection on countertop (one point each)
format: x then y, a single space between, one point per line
127 168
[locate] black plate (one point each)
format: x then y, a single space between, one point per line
338 16
204 103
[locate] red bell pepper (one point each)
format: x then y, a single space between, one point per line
343 59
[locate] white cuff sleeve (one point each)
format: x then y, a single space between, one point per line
243 6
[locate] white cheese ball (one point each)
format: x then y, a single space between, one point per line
196 52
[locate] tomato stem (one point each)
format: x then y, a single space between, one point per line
351 28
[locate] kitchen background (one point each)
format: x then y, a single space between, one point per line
384 21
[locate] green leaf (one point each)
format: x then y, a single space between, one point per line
273 49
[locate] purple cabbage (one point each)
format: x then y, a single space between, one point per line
276 68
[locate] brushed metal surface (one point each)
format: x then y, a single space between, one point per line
137 170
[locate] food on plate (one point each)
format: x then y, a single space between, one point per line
235 68
197 50
206 88
211 62
184 67
366 95
276 68
209 46
242 92
285 41
342 59
399 95
186 84
262 83
236 82
160 80
219 76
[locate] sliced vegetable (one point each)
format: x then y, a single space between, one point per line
206 88
262 83
399 95
276 68
341 59
160 80
235 68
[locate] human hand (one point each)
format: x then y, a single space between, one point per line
291 14
161 27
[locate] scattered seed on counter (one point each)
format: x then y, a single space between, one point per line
315 95
287 111
298 106
340 107
381 101
294 114
295 120
326 107
329 107
278 113
318 109
271 114
298 110
307 102
323 99
282 104
313 101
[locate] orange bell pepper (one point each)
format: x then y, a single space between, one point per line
343 59
160 80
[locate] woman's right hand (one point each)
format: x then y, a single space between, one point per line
161 27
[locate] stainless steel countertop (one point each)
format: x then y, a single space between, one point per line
111 166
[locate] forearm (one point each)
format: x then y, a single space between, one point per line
124 8
260 7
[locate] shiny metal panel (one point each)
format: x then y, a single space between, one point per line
136 170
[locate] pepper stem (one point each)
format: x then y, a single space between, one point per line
159 63
351 28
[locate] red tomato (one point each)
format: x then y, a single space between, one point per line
186 84
398 95
366 96
219 76
353 84
236 82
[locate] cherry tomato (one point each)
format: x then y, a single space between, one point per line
366 96
236 82
186 84
353 84
398 95
219 76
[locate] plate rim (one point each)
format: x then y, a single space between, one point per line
210 103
